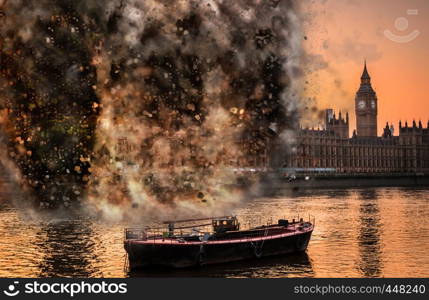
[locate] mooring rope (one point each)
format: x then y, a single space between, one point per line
126 263
258 252
200 255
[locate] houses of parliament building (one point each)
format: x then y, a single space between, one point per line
332 150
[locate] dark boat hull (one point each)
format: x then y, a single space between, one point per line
179 255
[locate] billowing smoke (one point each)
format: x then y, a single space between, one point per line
47 95
146 107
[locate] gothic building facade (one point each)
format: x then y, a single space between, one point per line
331 150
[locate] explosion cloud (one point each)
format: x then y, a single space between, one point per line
145 107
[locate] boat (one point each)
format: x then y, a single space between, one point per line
190 243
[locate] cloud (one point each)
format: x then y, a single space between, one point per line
352 50
314 62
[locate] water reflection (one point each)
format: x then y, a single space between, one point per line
326 193
68 250
295 265
370 262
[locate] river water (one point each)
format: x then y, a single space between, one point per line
372 232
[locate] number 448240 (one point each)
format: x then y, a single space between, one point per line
405 289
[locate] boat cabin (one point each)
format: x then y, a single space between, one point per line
224 224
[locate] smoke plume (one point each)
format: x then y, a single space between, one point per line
146 107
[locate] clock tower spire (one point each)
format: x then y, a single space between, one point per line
366 107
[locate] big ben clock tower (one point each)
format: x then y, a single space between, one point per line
366 107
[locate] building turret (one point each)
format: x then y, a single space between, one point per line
366 107
340 125
387 133
365 78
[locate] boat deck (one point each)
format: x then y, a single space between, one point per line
267 233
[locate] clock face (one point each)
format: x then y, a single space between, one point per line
373 104
361 104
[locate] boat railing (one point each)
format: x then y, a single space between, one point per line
149 233
292 220
153 233
134 234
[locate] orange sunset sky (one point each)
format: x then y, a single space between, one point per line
342 33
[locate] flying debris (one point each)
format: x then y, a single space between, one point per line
145 107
